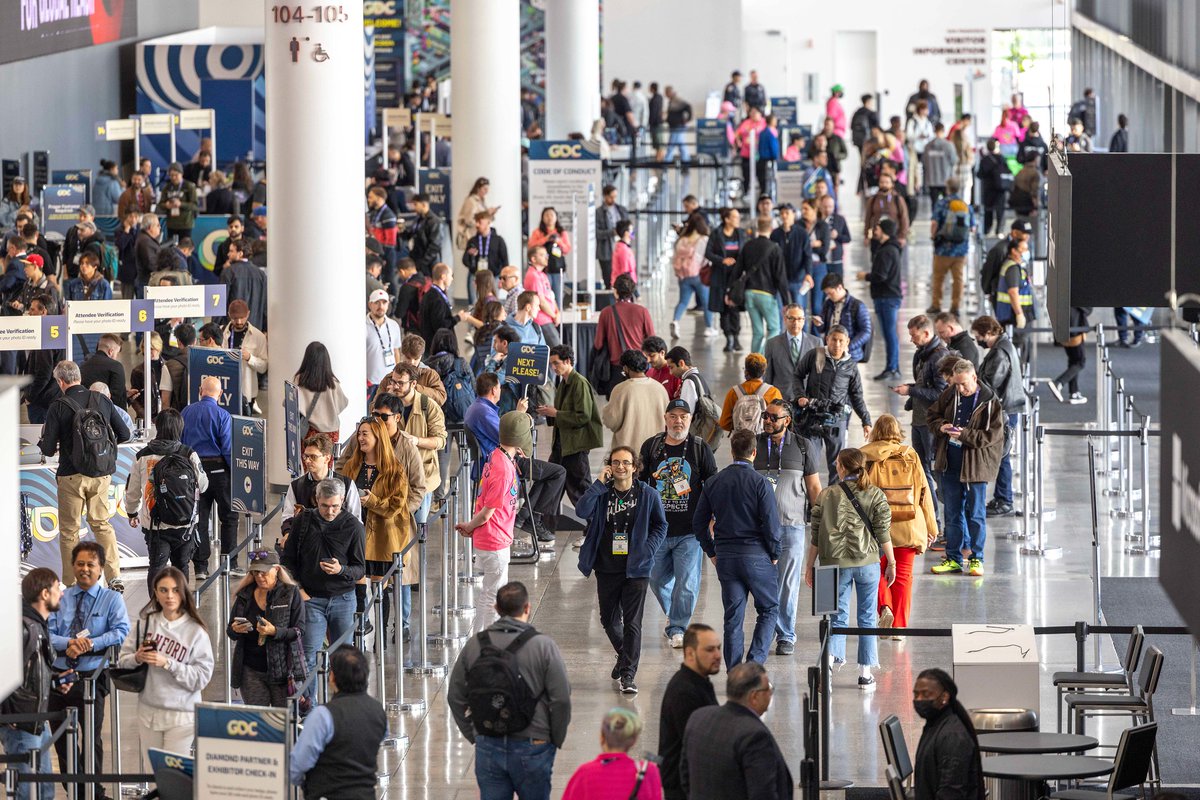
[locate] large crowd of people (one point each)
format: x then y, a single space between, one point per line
652 513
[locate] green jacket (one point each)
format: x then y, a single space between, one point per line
839 532
186 193
577 423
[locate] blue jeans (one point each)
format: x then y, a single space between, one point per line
505 766
675 579
764 314
742 575
888 309
421 515
1126 320
17 742
816 298
688 287
675 142
1004 478
865 582
556 285
922 442
966 516
323 616
791 569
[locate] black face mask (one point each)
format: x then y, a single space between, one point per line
982 343
926 709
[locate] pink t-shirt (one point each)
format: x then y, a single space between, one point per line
498 490
623 262
538 281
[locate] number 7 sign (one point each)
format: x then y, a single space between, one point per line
215 297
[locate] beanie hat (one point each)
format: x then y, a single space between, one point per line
516 430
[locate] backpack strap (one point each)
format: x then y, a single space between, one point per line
642 766
520 641
857 507
761 391
740 391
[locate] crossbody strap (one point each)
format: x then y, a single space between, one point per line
642 766
617 322
857 507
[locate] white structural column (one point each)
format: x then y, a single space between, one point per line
485 107
572 66
314 76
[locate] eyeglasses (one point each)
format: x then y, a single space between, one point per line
775 417
625 463
794 318
312 456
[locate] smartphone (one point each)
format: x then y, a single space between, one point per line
70 676
241 621
327 560
149 643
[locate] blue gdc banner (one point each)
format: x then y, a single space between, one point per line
711 138
241 752
784 109
60 207
436 184
291 420
528 363
224 364
248 465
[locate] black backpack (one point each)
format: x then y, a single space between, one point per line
498 699
94 450
171 498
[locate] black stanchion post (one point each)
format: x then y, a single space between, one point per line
1081 635
826 697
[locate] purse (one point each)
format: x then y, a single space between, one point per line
305 426
130 679
600 369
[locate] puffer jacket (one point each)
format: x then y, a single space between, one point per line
982 439
1001 370
918 532
839 531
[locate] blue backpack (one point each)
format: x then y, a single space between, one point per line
460 392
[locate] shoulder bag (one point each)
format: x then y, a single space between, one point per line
130 679
600 370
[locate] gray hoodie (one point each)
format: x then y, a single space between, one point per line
542 667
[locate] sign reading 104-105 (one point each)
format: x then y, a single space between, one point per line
284 14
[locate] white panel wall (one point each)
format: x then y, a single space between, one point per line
11 664
232 13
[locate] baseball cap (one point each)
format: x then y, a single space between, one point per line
678 404
19 179
1022 226
261 211
837 87
35 259
263 560
378 294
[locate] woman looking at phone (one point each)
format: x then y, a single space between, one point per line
265 624
171 638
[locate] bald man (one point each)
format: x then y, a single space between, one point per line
208 429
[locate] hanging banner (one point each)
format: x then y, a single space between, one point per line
224 364
247 466
172 302
784 109
711 138
559 171
33 333
33 29
60 207
110 316
436 184
291 417
241 752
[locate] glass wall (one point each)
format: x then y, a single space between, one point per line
1035 64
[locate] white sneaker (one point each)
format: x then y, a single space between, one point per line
677 640
1077 399
674 330
712 333
1056 390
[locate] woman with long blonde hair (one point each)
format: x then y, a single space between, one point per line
383 488
896 469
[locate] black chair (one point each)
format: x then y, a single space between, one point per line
895 783
1093 682
1131 766
894 747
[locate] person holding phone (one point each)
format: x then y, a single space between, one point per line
265 624
968 424
173 640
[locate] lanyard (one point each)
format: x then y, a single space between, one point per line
618 503
443 294
484 244
388 348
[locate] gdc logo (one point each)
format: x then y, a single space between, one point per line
216 359
379 8
173 762
240 727
564 150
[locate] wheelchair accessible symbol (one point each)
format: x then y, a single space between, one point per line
319 54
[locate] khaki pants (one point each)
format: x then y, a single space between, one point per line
79 495
953 265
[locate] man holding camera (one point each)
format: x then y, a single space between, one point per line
828 386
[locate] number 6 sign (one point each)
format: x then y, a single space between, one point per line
141 315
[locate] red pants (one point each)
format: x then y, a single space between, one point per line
898 596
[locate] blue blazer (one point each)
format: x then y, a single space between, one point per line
649 528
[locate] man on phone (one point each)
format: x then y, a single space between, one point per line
968 424
324 552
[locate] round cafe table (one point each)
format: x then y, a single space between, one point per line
1032 742
1024 775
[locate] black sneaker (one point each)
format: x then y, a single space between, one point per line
1000 510
616 673
628 686
545 536
867 682
117 586
784 648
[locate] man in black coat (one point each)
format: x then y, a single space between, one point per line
728 753
886 291
145 250
246 282
690 689
426 248
436 307
927 385
608 214
104 367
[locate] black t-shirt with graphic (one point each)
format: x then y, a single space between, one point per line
618 530
678 472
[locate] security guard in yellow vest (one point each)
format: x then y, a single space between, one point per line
1014 292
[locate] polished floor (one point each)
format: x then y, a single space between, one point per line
438 763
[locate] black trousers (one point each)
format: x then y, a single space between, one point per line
173 546
622 601
832 439
579 472
605 272
217 493
993 214
74 699
1076 360
546 491
731 321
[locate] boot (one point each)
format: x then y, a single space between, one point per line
728 344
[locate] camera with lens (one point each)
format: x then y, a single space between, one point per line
819 415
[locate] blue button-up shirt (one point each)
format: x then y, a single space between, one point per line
208 429
316 736
105 619
483 421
